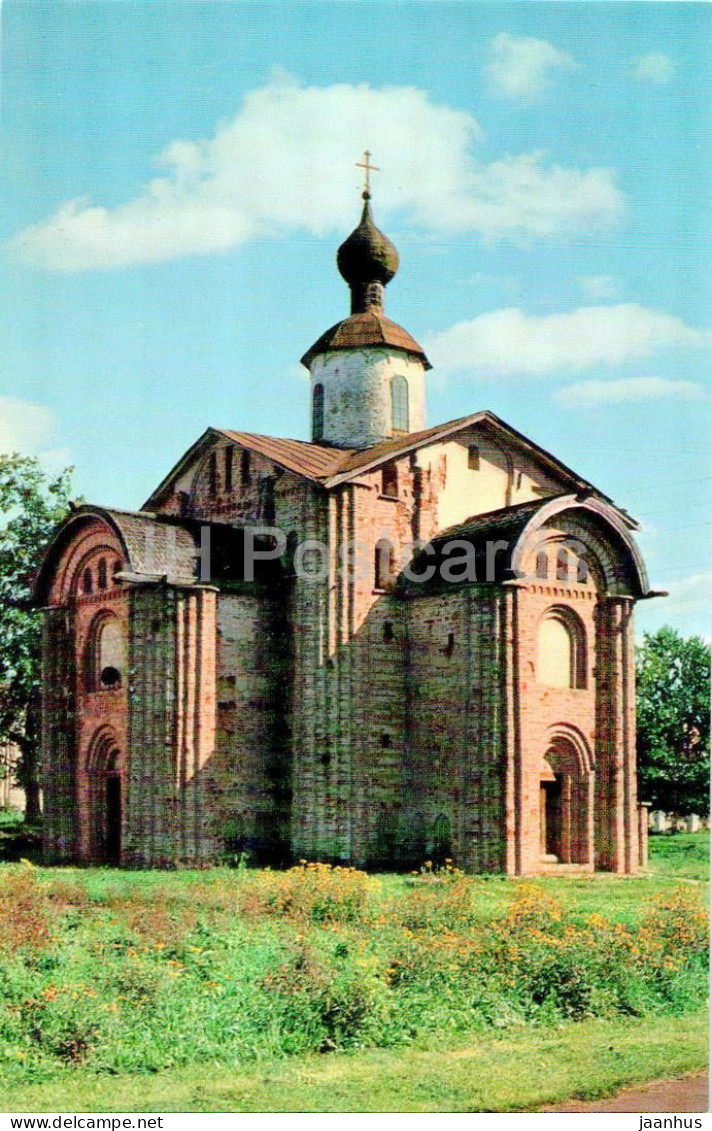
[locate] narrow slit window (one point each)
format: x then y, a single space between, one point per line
562 565
245 466
318 412
212 475
229 454
399 404
385 564
542 565
473 457
389 481
101 573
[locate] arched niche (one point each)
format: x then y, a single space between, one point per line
562 659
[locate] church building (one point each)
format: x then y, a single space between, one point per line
396 642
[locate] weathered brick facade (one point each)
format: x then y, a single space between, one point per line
351 696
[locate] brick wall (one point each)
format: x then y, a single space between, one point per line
336 719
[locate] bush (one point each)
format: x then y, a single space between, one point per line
441 898
317 893
28 921
141 975
338 1003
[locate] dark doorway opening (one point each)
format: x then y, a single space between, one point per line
551 818
112 844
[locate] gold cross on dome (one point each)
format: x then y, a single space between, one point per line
369 168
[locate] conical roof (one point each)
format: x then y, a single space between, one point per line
368 328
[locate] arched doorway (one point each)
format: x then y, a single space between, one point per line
566 802
105 798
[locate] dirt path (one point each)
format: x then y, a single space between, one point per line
688 1094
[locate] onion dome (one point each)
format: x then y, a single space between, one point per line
367 261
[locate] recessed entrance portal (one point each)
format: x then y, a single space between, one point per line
566 804
105 799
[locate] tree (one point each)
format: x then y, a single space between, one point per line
673 704
31 505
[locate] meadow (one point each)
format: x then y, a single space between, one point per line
252 990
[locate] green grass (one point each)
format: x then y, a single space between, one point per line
673 857
327 990
682 855
465 1073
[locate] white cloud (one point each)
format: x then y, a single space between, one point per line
24 427
688 595
524 67
588 393
599 286
687 606
285 162
689 588
654 67
30 430
509 341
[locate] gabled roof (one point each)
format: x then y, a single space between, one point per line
329 467
313 461
358 462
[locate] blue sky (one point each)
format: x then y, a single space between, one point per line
176 178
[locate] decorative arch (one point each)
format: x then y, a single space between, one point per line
87 571
611 527
568 733
562 654
84 534
104 753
